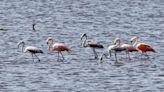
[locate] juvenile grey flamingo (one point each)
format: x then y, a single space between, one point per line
31 49
92 44
116 48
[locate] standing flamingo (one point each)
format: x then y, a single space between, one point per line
129 48
91 44
115 49
31 49
141 46
59 47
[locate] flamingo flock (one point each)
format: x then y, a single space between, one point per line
115 48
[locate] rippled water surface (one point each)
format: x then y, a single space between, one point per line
65 20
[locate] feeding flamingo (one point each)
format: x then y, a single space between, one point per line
115 49
31 49
141 46
59 47
91 44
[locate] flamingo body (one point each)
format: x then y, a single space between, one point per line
143 47
60 47
129 47
94 45
33 49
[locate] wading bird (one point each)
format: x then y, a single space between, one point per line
141 46
114 49
128 47
59 47
91 44
31 49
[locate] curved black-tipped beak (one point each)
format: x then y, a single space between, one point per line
131 41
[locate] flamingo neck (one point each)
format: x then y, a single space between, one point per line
50 45
135 43
23 45
84 42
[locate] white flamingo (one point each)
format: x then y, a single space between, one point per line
114 49
91 44
31 49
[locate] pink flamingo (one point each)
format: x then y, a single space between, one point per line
59 47
141 46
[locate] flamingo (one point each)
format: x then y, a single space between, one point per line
129 48
115 49
141 46
59 47
31 49
91 44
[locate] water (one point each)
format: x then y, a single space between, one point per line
65 20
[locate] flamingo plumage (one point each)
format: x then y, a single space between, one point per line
128 47
116 48
141 46
92 44
59 47
31 49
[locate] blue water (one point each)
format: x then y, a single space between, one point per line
65 20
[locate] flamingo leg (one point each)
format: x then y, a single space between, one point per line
62 55
96 56
32 57
115 57
128 55
58 56
37 57
110 53
146 55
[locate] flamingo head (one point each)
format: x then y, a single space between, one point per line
21 42
49 39
134 39
83 35
117 41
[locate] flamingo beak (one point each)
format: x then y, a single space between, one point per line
81 37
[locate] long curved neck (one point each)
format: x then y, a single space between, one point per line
23 45
50 45
118 43
135 43
84 42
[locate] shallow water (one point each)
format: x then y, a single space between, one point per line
65 20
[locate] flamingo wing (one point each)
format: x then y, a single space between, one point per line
130 48
60 47
33 49
94 45
144 47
